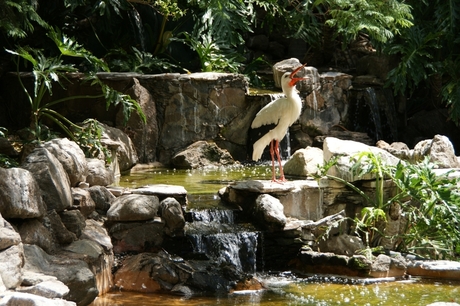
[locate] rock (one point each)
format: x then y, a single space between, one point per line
8 236
51 289
439 150
171 213
74 221
83 201
327 103
71 157
98 174
74 273
136 236
27 299
438 269
11 263
133 207
342 245
34 232
249 284
51 178
202 154
346 151
119 142
58 229
398 149
20 195
290 65
139 273
143 136
163 191
269 212
102 198
304 162
96 232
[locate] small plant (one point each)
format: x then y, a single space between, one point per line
433 212
138 61
213 56
429 202
49 71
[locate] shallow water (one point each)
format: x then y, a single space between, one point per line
309 291
196 181
285 289
202 185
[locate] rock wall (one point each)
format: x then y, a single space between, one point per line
184 108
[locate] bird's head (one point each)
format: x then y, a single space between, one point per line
293 79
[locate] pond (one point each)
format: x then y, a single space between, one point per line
318 291
283 288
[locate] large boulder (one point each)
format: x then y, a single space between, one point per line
11 256
269 212
74 273
202 154
20 195
102 198
143 136
133 207
119 143
51 178
346 153
304 162
171 213
98 173
28 299
439 150
72 158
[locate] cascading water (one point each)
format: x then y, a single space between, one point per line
214 234
371 99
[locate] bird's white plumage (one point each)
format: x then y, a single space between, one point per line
282 112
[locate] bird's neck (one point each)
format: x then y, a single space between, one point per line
290 92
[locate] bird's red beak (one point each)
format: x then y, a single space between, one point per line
294 80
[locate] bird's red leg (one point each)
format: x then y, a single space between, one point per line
272 153
277 151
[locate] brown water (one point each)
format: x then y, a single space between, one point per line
202 187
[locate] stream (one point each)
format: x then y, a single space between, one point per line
281 288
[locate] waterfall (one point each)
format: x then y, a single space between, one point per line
213 233
371 99
212 215
315 104
103 273
366 114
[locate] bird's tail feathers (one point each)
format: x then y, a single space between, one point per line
259 146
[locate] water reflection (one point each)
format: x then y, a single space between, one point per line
197 181
327 291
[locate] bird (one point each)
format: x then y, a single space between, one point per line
282 112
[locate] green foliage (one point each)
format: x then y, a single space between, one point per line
88 137
49 71
7 162
416 63
17 17
430 203
213 56
382 20
433 214
138 61
430 48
